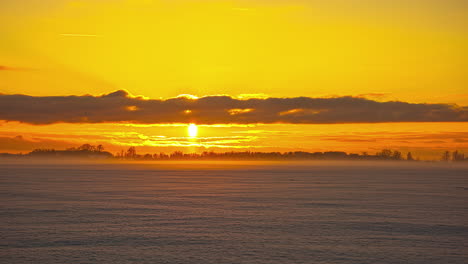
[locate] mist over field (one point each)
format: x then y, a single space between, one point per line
234 212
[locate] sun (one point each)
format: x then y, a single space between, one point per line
192 130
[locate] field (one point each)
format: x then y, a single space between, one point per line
316 212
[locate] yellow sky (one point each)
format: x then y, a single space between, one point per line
413 51
407 51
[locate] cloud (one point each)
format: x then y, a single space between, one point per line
78 35
9 68
119 106
373 95
19 143
402 137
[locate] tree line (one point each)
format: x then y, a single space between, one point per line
97 151
385 154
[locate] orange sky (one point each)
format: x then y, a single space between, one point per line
410 51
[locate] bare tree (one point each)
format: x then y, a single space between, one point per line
131 153
100 148
396 155
385 153
456 156
409 156
446 156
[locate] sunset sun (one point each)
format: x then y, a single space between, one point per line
192 130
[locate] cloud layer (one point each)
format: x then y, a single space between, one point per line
119 106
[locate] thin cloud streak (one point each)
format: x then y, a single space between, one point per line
120 107
9 68
79 35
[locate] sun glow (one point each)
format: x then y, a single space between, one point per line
192 130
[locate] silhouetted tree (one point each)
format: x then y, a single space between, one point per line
43 151
131 153
100 148
396 155
177 155
385 153
446 156
87 147
456 156
409 156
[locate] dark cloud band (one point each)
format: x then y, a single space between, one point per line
119 106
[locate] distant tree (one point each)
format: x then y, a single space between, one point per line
446 156
177 154
328 154
43 151
100 148
131 153
163 156
120 154
86 147
385 153
409 156
396 155
456 156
